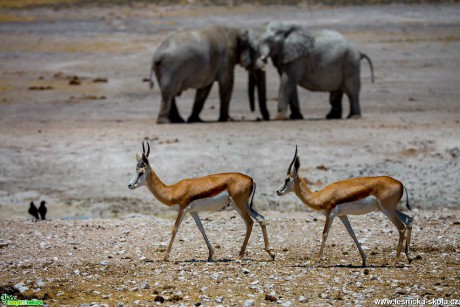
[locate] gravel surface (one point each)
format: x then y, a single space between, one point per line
112 261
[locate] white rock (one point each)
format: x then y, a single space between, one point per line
303 299
144 285
77 272
248 303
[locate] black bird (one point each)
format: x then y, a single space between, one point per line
33 210
42 210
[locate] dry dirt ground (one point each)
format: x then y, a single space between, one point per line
74 110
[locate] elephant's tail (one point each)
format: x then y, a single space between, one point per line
364 56
151 84
156 61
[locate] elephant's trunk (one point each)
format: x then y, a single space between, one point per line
261 82
251 90
257 79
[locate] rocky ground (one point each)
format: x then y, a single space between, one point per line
74 110
116 262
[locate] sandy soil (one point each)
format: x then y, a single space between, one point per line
74 110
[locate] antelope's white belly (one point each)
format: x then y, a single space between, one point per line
214 203
359 207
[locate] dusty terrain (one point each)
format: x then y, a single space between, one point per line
74 110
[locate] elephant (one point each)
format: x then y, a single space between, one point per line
197 58
323 61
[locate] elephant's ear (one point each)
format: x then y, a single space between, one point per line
245 49
297 43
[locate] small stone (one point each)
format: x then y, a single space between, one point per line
40 283
20 287
105 262
77 272
270 298
219 300
134 289
246 271
303 299
43 244
248 303
144 285
159 298
120 304
366 271
204 289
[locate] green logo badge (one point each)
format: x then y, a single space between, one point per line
10 300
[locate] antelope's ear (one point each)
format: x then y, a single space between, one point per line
296 165
138 158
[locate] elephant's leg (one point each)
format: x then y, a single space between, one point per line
286 90
165 108
200 98
335 99
352 88
174 115
225 94
355 110
294 105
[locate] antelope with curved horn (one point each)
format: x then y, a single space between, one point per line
355 196
209 193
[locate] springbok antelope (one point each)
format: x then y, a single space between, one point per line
209 193
355 196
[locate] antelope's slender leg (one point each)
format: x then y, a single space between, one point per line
407 220
249 223
261 220
401 229
347 224
201 228
329 219
179 219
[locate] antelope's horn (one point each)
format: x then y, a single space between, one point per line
148 149
292 162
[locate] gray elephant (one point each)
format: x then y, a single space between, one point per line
197 58
324 61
